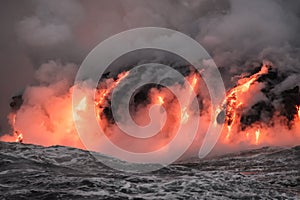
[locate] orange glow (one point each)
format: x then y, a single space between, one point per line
184 116
19 137
237 102
193 81
80 107
257 135
17 134
51 121
228 133
103 92
160 100
236 99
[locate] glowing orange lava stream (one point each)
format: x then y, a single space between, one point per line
234 101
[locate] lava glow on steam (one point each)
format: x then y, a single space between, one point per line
58 127
235 100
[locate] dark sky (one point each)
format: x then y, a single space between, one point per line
235 32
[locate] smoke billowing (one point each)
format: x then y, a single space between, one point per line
44 42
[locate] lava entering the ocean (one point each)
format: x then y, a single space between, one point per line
252 113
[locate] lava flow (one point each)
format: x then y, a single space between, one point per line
253 114
242 126
17 135
235 100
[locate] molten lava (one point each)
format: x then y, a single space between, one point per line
235 101
193 81
257 134
102 93
51 121
19 136
160 100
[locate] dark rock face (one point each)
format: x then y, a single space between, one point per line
141 95
263 111
16 102
290 98
262 108
35 172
